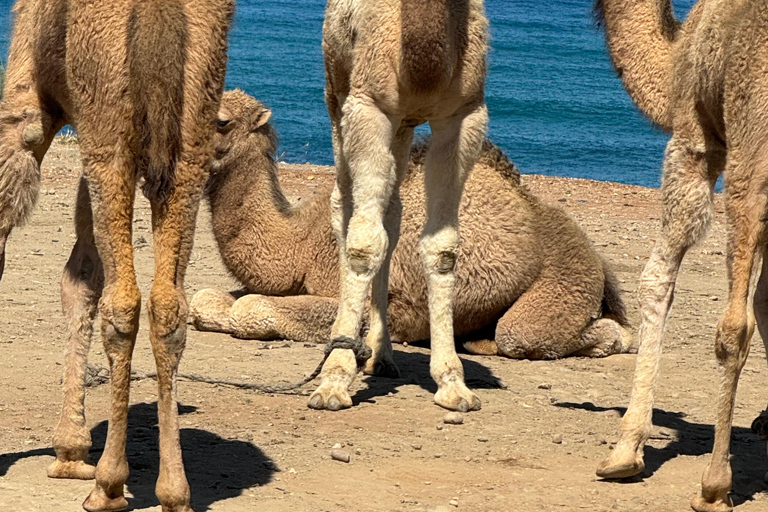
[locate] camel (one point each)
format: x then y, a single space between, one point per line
702 80
390 66
141 81
287 258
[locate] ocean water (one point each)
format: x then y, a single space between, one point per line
555 103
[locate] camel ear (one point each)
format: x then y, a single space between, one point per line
260 118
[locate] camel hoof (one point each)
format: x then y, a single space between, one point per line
386 369
699 504
98 501
760 424
609 468
330 397
457 397
75 469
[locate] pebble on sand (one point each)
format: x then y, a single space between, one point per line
557 438
453 418
340 455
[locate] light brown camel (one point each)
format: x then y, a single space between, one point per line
391 65
538 268
705 82
141 82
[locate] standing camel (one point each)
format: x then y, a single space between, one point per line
524 265
705 82
392 65
141 81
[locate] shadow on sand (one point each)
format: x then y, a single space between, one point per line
217 468
748 449
414 369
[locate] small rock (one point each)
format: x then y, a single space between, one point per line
557 438
439 427
438 455
358 451
453 418
545 386
340 455
336 446
416 446
482 439
454 502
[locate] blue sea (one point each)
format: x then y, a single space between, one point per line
556 105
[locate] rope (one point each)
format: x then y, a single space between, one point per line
96 375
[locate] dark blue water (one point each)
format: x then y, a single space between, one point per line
555 103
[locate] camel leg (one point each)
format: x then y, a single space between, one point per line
382 362
81 286
112 183
547 321
604 337
687 188
302 318
745 208
370 174
456 144
760 424
210 310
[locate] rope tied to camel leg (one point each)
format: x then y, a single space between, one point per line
362 351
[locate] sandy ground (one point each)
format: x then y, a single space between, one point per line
248 451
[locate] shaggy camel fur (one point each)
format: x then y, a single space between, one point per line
704 81
537 270
391 65
141 81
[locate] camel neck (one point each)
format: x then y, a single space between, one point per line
640 36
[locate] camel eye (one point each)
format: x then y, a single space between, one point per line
222 123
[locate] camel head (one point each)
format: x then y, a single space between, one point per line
242 130
23 142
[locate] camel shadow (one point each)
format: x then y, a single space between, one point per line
216 468
414 369
747 448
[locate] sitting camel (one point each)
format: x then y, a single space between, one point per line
705 81
141 81
524 266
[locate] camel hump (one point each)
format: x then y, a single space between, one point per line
157 37
613 305
425 51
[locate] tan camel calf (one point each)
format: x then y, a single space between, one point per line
523 265
141 81
705 82
391 65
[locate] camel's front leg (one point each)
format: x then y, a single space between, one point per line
760 424
687 211
455 147
81 286
370 173
382 362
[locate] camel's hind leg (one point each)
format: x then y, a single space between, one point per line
746 203
687 188
81 286
548 320
382 362
760 424
365 181
604 337
455 146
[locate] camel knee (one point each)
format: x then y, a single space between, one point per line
168 310
120 308
731 343
367 244
439 251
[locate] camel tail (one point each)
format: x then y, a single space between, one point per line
640 37
19 188
157 54
425 52
613 305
